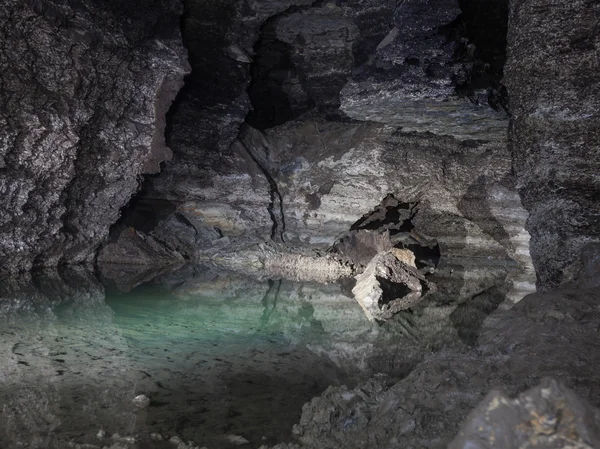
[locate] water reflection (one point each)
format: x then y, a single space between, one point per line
216 355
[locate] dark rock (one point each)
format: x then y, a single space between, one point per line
85 90
321 41
136 248
547 416
589 276
544 335
390 284
360 246
555 101
415 77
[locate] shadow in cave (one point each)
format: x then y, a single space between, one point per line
276 91
474 205
468 317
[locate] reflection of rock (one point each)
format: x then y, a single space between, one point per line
547 416
389 285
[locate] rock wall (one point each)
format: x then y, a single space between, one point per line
552 77
84 92
320 111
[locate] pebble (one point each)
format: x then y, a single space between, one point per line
141 401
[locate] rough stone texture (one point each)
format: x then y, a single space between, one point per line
554 88
389 285
544 335
84 92
419 78
302 173
321 42
547 416
310 181
135 248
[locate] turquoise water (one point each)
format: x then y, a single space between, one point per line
215 357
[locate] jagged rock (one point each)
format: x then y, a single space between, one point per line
406 256
141 401
547 416
360 246
544 335
85 91
321 41
555 104
414 78
389 285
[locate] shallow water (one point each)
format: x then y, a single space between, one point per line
217 355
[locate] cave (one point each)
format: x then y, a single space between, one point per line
299 224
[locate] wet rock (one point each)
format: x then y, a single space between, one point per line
555 103
85 92
389 285
547 416
238 440
141 401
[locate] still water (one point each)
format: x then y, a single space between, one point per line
216 355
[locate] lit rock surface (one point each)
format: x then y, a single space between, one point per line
85 91
547 416
389 285
555 102
418 77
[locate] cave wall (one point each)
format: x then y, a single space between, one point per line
552 77
301 117
84 89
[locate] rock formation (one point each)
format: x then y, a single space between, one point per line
427 407
408 144
84 93
389 285
547 416
555 95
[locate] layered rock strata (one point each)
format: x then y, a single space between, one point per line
311 161
388 285
554 87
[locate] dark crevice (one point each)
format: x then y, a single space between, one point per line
391 214
276 90
275 206
391 291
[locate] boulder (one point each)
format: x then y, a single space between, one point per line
389 285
